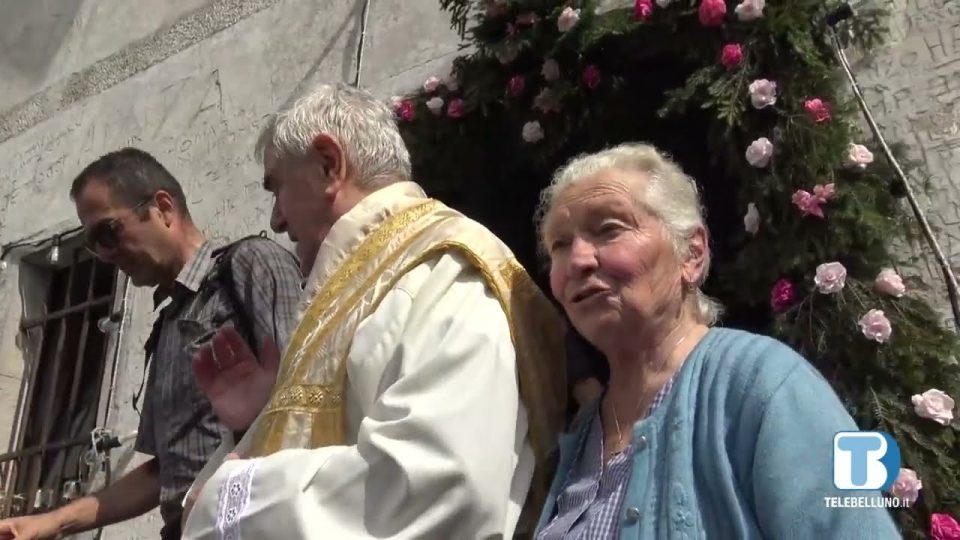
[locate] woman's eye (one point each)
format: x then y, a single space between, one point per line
560 243
608 228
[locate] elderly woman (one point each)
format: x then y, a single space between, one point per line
701 431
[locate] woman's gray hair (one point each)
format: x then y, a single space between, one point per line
670 195
364 127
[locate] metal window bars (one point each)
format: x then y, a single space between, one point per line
60 400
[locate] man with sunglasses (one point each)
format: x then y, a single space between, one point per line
136 217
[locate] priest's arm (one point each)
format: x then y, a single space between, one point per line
441 449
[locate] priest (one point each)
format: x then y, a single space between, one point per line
422 392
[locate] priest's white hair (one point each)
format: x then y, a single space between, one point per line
364 126
671 195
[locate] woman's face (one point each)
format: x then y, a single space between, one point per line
612 266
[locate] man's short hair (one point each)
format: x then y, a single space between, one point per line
132 176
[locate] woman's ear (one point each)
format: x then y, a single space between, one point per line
697 258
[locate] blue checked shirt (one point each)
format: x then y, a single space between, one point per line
589 505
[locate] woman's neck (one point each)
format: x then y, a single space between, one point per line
640 366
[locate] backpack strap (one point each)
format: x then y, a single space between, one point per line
223 275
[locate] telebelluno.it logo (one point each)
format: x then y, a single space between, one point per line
865 460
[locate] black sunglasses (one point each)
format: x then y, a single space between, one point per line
106 232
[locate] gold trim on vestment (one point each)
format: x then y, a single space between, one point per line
313 329
317 412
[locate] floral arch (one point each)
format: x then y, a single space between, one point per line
748 98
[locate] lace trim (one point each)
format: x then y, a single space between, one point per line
234 497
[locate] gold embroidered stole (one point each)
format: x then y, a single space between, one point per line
307 407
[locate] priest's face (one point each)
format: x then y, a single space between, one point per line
302 207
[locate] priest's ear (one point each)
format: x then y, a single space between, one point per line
329 157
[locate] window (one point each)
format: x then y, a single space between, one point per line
70 362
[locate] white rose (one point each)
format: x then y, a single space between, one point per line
532 132
751 220
763 93
935 405
876 326
435 104
858 156
750 10
431 84
907 485
830 277
452 83
889 282
508 53
550 70
759 152
568 19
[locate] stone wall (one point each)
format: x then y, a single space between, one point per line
189 81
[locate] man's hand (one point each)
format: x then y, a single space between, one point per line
236 383
35 527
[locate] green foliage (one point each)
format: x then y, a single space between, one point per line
661 80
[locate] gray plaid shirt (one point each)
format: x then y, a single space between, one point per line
177 424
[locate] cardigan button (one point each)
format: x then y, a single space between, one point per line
641 443
632 515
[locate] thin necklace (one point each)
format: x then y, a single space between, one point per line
613 409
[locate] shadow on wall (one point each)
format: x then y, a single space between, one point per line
31 34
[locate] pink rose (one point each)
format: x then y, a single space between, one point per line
713 12
732 55
818 110
907 486
642 10
405 110
830 277
782 295
591 76
759 152
569 18
431 84
807 203
749 10
876 326
944 527
889 282
456 108
935 405
516 85
526 19
763 93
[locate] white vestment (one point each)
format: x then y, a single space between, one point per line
435 433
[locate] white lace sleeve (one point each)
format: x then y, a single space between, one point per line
234 497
